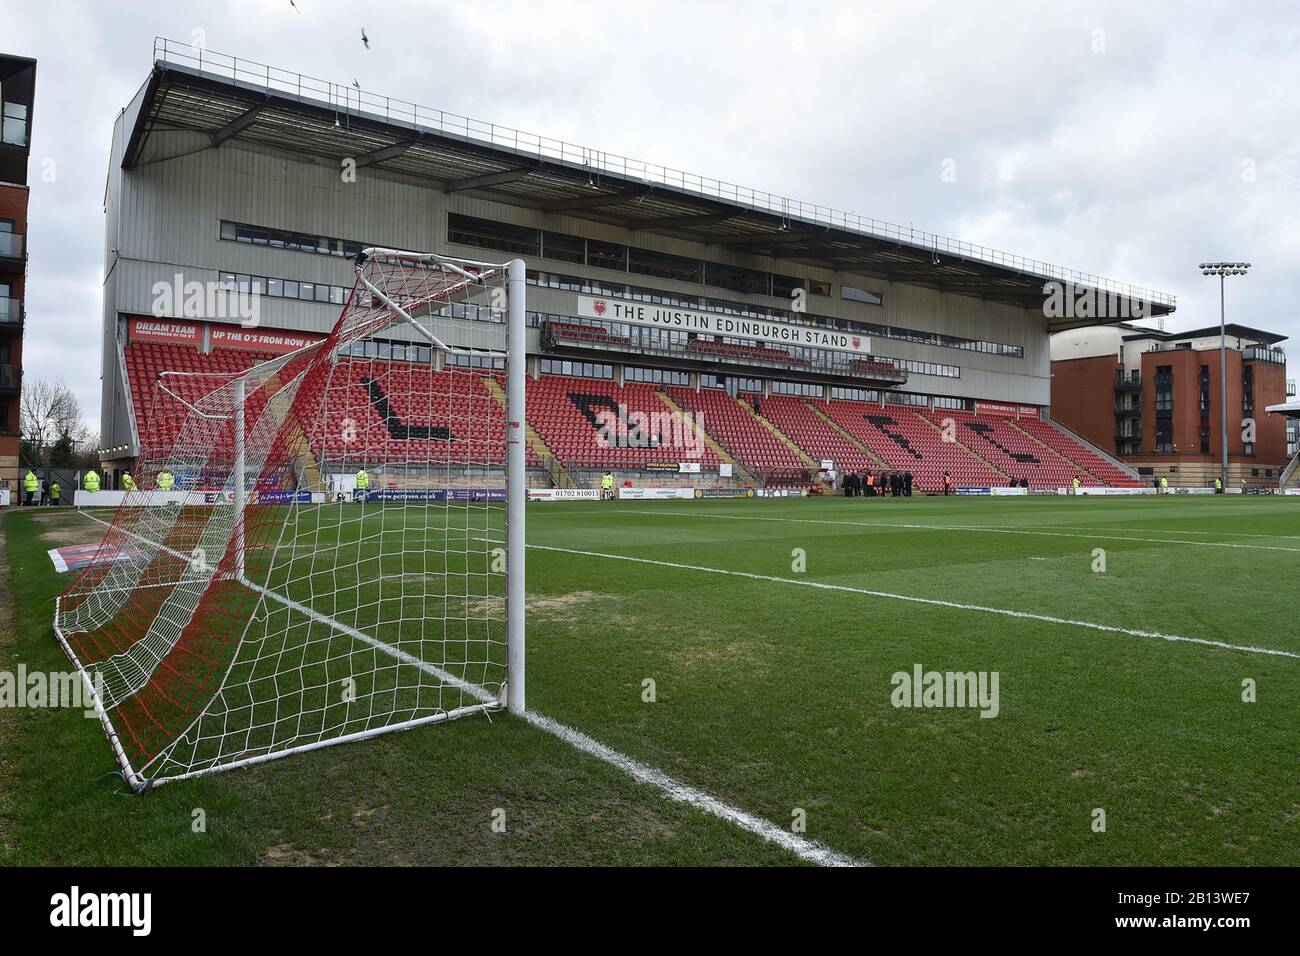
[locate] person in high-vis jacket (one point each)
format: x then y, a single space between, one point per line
165 481
91 480
607 486
1075 483
30 484
1164 486
55 493
128 483
363 480
1218 486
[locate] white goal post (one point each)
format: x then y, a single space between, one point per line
263 613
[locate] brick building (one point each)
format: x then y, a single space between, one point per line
1152 398
17 91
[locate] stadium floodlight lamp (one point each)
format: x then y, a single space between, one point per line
1223 270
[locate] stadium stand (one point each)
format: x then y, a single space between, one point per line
780 443
146 361
814 435
417 412
566 413
908 441
736 350
1077 452
584 333
741 432
995 439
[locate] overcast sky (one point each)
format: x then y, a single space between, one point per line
1130 139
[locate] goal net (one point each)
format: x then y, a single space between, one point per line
326 546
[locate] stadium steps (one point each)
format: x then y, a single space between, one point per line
559 475
846 435
737 469
961 444
780 435
1052 451
1290 477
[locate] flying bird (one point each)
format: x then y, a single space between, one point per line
295 7
365 39
358 86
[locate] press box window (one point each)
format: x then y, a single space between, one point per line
557 245
606 255
661 265
498 236
859 295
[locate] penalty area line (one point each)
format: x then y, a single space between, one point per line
933 602
808 850
981 529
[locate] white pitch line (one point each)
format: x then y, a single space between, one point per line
805 849
1232 534
953 527
933 602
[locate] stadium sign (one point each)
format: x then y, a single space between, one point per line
563 494
164 332
431 494
715 323
1085 490
654 494
280 343
724 492
997 408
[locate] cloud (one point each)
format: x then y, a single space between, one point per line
1126 140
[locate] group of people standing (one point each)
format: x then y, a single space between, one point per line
896 484
35 489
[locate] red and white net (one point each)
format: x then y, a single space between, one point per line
320 611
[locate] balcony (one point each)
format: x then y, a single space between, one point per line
11 249
1127 411
11 378
561 335
11 313
1259 353
1128 383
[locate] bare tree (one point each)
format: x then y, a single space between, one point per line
48 411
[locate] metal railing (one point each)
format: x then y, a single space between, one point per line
350 101
11 245
10 376
1259 353
844 364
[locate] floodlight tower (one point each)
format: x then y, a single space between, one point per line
1223 270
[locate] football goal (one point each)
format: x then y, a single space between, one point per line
337 548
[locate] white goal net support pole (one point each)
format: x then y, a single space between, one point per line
516 492
256 610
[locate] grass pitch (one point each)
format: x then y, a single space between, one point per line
771 630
